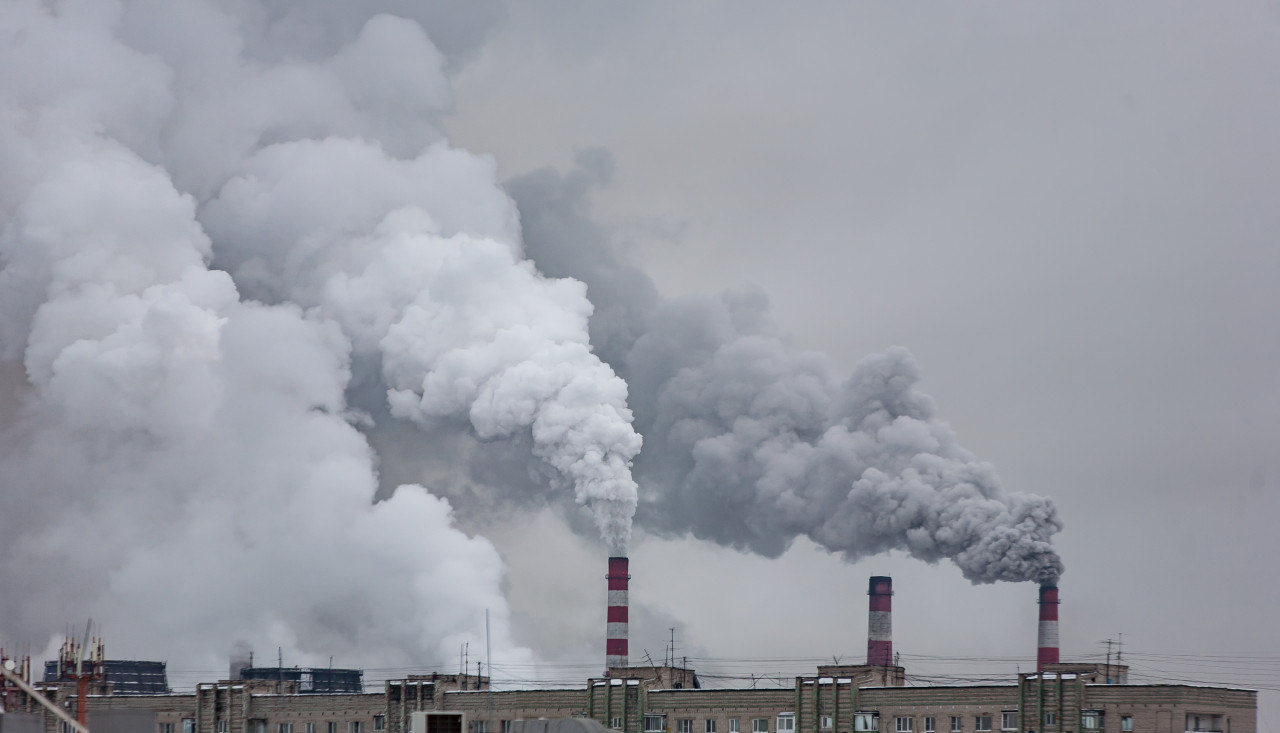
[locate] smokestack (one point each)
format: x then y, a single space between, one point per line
880 622
1048 637
615 644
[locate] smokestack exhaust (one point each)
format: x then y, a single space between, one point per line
880 622
615 652
1048 636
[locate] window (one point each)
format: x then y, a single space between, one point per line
866 721
188 725
310 728
786 723
480 726
982 722
355 726
733 725
333 727
824 722
956 723
655 723
286 728
1126 723
222 727
1090 719
710 725
168 728
255 726
379 722
759 725
1201 722
684 725
1009 720
506 726
903 724
616 722
1050 718
929 724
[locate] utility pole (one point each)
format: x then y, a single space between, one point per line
1108 661
1119 651
488 654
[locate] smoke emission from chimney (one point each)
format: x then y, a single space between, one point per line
238 251
750 442
221 226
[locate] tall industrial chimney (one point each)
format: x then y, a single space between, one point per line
616 637
880 622
1048 636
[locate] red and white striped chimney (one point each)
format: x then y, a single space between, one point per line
615 645
1048 636
880 622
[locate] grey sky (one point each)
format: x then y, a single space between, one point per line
1068 212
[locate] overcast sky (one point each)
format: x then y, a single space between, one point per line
236 248
1068 212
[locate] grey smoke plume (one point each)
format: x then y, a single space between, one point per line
750 442
220 224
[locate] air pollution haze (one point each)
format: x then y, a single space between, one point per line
240 259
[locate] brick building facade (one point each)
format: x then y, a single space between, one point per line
1064 698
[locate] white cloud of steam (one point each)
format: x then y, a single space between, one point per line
237 251
184 466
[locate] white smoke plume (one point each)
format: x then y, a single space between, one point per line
219 222
238 254
750 442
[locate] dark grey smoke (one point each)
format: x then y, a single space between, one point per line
750 442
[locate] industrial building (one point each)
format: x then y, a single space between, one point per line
868 698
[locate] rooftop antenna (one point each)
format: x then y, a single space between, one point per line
84 647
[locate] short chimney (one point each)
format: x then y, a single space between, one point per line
1048 636
880 622
616 622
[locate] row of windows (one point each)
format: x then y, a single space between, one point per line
260 726
353 726
868 722
786 724
864 722
658 724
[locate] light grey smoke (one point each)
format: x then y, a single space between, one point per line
220 222
750 442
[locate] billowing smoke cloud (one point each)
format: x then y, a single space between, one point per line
750 442
223 227
237 253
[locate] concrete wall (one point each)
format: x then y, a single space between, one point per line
123 721
21 723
